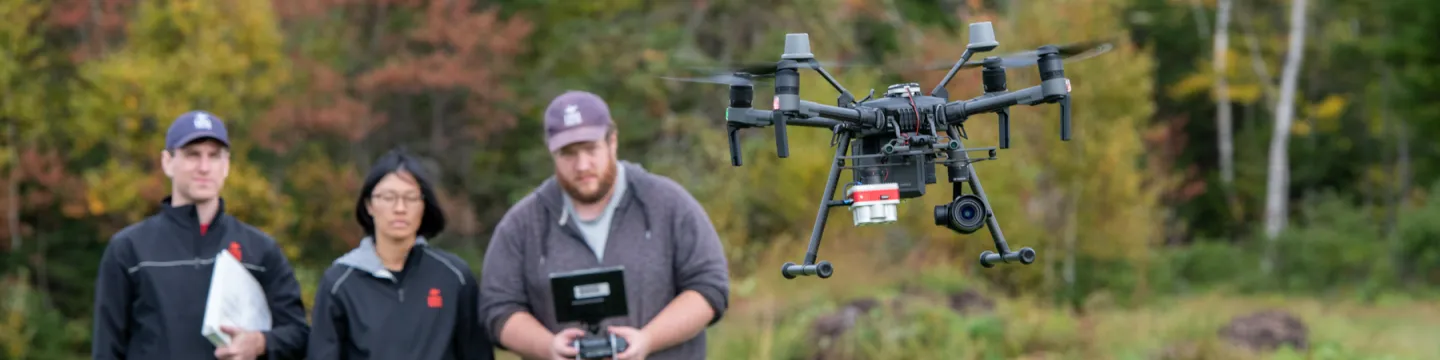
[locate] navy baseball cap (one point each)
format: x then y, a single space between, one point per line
195 125
576 116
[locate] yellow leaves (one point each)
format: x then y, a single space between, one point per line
1246 93
1197 83
1323 116
17 15
1327 112
1300 128
250 197
1245 86
180 56
116 189
94 204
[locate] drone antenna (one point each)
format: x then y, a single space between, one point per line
982 39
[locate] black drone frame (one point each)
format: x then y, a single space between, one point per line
850 120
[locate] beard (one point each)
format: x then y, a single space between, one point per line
607 181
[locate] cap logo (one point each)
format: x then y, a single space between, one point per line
572 115
202 121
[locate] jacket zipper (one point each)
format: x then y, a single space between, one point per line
400 290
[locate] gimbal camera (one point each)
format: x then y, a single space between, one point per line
897 138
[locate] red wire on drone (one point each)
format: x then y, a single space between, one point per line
911 96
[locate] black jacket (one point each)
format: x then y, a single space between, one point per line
430 310
155 276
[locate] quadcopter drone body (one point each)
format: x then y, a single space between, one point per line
893 143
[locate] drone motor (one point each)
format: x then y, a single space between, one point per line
874 204
902 90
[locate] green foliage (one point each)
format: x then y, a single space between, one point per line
29 329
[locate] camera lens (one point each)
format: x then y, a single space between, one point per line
967 214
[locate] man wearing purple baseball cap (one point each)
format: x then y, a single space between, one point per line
598 211
154 277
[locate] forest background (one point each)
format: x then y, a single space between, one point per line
1155 226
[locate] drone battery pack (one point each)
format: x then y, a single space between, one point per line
874 204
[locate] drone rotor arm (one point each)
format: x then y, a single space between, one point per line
857 116
940 87
957 111
761 118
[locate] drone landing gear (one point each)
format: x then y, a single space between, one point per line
966 213
822 269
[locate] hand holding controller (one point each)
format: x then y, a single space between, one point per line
599 346
588 297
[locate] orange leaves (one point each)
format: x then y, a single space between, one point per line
100 22
469 50
470 54
454 54
324 106
46 170
1166 142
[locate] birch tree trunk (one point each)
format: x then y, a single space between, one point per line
1277 185
1223 116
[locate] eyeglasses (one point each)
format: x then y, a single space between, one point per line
390 199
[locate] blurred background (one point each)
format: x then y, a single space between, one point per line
1247 179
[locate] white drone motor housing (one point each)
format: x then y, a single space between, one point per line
874 204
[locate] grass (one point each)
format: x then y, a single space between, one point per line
1181 328
771 318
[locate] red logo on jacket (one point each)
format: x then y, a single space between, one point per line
235 250
434 300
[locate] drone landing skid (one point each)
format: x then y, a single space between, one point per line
963 215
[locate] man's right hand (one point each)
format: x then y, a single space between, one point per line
563 347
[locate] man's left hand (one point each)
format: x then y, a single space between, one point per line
637 343
244 344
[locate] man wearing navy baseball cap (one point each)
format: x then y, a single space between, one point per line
598 211
154 276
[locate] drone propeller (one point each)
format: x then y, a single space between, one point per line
768 68
1068 53
735 79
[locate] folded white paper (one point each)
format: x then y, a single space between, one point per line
236 299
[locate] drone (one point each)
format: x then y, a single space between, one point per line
897 140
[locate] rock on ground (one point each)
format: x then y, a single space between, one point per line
1266 330
970 301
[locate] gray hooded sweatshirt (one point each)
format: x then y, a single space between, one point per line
659 233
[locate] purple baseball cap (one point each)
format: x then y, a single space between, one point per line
576 116
195 125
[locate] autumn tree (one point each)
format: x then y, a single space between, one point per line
223 57
435 86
